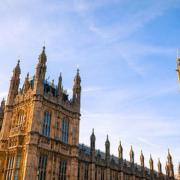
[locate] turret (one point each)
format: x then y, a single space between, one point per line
14 84
77 89
26 85
92 145
40 72
159 168
142 159
120 150
151 164
107 147
60 88
170 165
151 167
131 154
167 169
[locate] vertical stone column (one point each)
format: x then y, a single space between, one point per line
121 176
74 169
68 170
134 177
92 171
14 164
3 164
56 168
49 167
31 163
107 177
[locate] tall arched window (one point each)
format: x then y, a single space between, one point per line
46 124
65 130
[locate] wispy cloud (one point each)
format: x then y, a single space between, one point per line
129 88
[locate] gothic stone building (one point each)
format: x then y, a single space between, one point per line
39 136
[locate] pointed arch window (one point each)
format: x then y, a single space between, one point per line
65 130
46 124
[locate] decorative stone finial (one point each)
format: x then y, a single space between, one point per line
131 155
142 159
120 150
151 164
159 166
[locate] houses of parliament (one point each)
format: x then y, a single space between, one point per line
39 136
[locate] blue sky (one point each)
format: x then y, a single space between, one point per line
126 51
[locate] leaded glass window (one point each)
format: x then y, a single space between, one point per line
46 124
18 161
65 130
10 166
62 170
42 167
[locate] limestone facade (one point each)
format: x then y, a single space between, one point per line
39 136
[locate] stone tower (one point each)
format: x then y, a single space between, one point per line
40 131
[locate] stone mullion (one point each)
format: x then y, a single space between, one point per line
14 164
56 168
5 165
49 166
92 171
73 166
107 174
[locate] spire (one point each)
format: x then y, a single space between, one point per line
14 84
169 157
92 145
77 87
26 83
120 150
42 57
92 139
17 70
40 73
41 66
107 139
131 154
107 146
167 169
159 167
77 79
60 88
142 159
170 164
151 163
